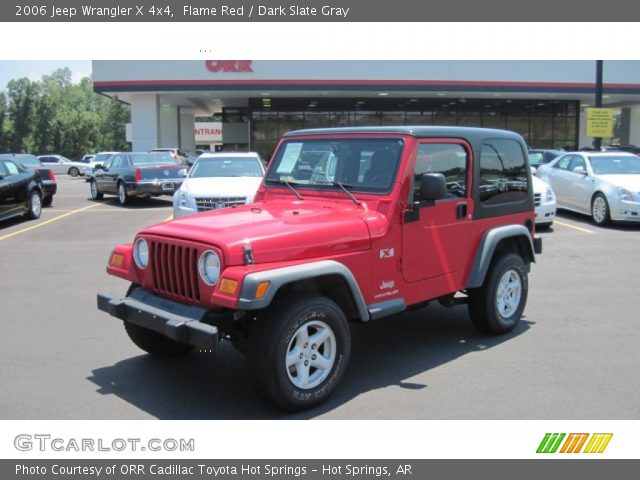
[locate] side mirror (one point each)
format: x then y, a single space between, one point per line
433 186
580 171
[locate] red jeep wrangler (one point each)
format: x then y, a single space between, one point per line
350 224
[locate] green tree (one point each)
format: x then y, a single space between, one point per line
22 95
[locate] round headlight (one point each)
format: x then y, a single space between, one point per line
141 253
209 267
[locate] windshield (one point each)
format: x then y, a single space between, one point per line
365 165
226 167
101 157
615 165
152 159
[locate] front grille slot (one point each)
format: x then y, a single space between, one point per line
175 270
537 199
215 203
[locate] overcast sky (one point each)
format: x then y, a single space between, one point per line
35 69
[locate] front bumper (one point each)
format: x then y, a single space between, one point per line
623 211
546 213
174 320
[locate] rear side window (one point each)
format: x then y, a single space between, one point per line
12 168
503 172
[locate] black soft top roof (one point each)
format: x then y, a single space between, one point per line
419 131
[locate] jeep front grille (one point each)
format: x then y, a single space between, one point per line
175 270
214 203
537 199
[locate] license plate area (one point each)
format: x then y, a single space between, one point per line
168 187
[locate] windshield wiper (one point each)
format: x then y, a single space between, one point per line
287 183
345 187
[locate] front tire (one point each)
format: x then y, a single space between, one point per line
497 306
34 205
74 172
600 210
298 352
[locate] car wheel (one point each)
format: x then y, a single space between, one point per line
47 201
298 352
34 205
155 343
95 193
600 210
123 196
74 172
497 306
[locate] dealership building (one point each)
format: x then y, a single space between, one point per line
258 101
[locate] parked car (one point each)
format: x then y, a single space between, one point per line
137 175
219 180
98 160
21 190
539 157
177 154
605 185
545 203
622 148
349 225
48 178
62 165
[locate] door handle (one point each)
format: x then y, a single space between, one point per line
461 210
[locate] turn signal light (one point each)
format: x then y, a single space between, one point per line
117 260
228 286
261 291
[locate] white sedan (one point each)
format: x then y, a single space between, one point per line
62 165
219 180
545 203
604 185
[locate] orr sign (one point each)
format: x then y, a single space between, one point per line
229 66
599 122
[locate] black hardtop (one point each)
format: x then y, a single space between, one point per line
472 134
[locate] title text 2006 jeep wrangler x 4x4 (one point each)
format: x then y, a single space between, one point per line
350 224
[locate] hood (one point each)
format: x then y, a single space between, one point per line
221 186
278 231
629 181
539 186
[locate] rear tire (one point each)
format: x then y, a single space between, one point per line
497 306
123 195
298 352
34 205
74 172
95 193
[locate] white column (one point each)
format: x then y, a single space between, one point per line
187 131
634 126
169 125
583 140
145 132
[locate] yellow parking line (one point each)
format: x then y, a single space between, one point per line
54 219
568 225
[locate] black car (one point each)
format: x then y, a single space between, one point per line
31 162
20 191
137 175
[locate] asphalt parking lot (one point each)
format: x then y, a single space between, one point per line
575 355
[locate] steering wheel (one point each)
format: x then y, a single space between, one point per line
381 179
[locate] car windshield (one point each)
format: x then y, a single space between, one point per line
365 165
226 167
615 165
101 157
139 159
